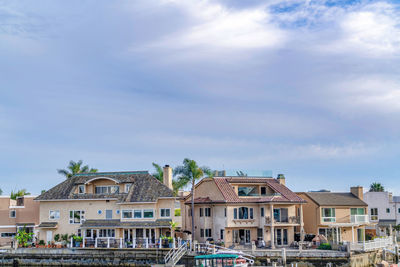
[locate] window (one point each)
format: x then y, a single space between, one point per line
201 232
127 187
165 212
7 235
262 212
201 212
54 214
76 216
207 232
81 189
398 210
387 210
221 234
243 212
281 215
148 214
357 211
328 215
106 233
127 214
190 212
225 211
99 212
13 213
109 189
137 214
247 191
374 214
207 212
263 190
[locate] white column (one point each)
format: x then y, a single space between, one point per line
352 234
147 242
83 240
108 242
272 228
159 245
95 242
120 243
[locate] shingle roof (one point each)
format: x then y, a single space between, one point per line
48 225
335 199
118 223
230 196
145 187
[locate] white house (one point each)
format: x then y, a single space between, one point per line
383 210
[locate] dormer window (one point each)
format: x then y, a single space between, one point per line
127 187
109 189
247 191
263 191
81 189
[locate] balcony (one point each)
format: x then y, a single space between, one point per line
360 219
289 220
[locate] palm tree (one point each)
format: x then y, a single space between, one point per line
19 193
241 174
75 168
1 191
376 187
189 172
159 174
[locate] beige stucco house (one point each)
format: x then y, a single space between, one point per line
239 210
338 216
113 205
17 214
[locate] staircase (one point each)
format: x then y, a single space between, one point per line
174 255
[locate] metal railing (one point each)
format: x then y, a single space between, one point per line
206 248
174 255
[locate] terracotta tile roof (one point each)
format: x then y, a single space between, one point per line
228 192
201 200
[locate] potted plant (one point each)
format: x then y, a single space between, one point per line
23 237
41 244
58 242
65 240
78 240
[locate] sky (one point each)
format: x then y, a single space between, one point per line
307 88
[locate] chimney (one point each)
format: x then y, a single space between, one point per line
281 179
357 191
167 176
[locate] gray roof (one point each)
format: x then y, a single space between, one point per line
118 223
145 187
335 199
48 225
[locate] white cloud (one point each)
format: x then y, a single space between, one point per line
214 26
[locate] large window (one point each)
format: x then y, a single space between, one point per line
106 233
137 214
54 214
247 191
207 212
7 235
328 215
357 211
165 213
281 215
374 214
148 213
243 213
109 189
127 214
76 216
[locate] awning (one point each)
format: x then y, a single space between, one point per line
387 223
48 225
26 224
160 223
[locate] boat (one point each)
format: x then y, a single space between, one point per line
220 260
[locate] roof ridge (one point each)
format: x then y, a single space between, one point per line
110 173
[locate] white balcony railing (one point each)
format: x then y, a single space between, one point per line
359 218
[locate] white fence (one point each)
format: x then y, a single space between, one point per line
359 219
112 242
377 243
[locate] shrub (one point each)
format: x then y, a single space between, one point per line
23 237
325 246
57 237
42 243
177 212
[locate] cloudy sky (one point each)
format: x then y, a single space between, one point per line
306 88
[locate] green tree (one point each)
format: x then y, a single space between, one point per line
75 168
23 237
376 187
159 173
189 173
19 193
1 192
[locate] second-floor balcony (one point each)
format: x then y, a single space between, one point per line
288 220
359 219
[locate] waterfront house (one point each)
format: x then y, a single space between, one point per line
109 205
239 210
338 216
384 211
17 214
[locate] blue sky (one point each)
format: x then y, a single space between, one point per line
310 89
